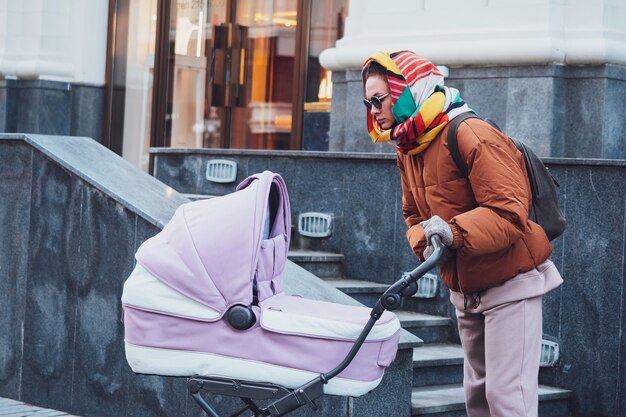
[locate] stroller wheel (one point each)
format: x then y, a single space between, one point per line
241 317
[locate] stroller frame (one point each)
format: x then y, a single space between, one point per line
288 400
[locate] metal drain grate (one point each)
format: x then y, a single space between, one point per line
427 286
221 170
549 353
315 224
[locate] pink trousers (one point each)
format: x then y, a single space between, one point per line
502 346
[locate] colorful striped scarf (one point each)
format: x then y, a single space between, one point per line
422 105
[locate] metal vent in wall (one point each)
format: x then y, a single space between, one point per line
314 224
221 170
549 353
427 286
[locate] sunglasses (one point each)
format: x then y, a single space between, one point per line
375 101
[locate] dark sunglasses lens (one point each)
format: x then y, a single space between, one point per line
376 102
368 104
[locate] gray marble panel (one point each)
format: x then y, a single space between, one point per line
393 395
614 129
99 359
622 369
87 110
15 203
4 106
288 168
558 134
143 231
584 108
50 319
321 186
488 97
338 113
184 173
156 396
316 126
592 292
9 106
44 110
106 171
369 231
529 112
55 112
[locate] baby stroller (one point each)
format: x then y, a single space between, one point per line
205 301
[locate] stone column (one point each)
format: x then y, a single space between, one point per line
52 57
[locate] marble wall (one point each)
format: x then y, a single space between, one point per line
560 111
73 214
362 192
51 107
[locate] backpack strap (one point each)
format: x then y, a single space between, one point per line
453 143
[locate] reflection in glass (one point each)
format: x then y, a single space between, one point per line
195 122
142 21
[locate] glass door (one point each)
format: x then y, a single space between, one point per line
265 121
230 74
196 119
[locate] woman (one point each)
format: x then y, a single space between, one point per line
496 260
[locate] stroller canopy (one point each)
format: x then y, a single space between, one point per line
213 250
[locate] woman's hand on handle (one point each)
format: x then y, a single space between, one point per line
438 226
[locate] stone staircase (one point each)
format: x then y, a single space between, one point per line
437 358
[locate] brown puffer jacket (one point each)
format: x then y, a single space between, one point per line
488 211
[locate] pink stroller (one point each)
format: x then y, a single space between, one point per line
205 301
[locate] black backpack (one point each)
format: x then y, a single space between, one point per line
545 209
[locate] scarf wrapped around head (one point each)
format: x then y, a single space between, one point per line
422 105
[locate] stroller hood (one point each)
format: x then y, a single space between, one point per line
214 251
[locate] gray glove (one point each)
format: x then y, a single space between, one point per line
437 226
446 254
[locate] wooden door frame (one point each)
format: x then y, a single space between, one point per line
301 57
113 104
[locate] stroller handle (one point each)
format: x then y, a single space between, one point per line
390 300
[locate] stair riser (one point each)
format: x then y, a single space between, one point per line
323 269
459 413
365 298
435 306
437 375
554 408
547 408
448 374
431 334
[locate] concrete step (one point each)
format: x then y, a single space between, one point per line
365 292
429 328
321 264
368 292
448 401
437 364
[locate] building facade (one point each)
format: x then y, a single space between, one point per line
284 74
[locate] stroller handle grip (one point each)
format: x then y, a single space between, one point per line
390 300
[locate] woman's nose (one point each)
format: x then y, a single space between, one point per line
375 110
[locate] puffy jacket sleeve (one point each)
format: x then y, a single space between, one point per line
412 217
501 190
